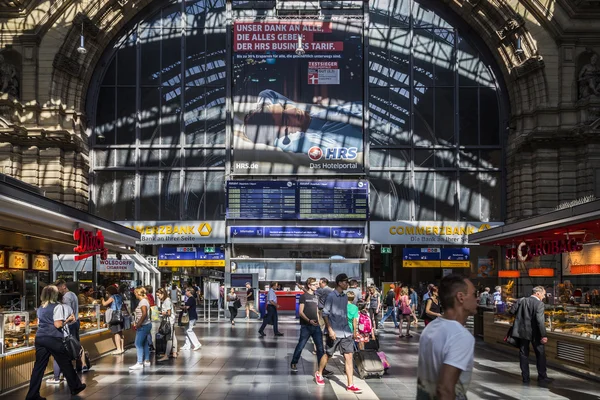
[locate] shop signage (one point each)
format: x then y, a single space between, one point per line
18 260
89 244
116 265
427 232
1 258
296 232
526 251
178 232
41 263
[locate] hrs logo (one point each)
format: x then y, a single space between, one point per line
315 153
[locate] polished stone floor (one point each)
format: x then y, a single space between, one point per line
235 363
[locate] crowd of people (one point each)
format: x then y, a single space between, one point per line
335 316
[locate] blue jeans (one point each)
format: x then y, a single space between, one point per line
141 343
390 311
307 331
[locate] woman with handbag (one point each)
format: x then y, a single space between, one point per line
191 314
114 318
405 311
142 326
231 304
49 341
167 313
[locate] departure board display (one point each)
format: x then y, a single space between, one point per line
302 200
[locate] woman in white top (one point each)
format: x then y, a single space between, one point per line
142 325
167 311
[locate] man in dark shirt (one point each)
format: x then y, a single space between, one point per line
309 323
250 300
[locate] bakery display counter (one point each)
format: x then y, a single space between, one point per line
91 318
14 329
573 340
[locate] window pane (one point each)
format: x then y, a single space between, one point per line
149 157
205 115
127 60
468 116
389 57
149 195
149 115
170 158
379 158
126 115
171 58
444 116
170 194
105 116
424 196
104 158
104 190
125 196
491 196
445 196
389 122
110 74
490 159
379 196
469 197
424 158
424 134
393 12
400 196
215 189
170 129
490 116
205 58
150 40
125 158
204 158
194 193
433 57
445 158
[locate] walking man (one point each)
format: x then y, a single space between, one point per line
390 302
446 348
309 323
529 328
340 337
249 300
271 317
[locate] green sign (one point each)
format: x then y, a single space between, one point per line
209 250
386 250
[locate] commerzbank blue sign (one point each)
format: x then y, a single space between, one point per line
295 232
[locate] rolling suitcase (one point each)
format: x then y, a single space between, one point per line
368 364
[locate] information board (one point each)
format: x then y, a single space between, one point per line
433 257
298 200
296 232
171 257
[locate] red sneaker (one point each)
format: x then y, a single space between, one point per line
353 389
319 379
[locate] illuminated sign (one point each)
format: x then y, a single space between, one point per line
18 260
526 251
178 232
427 232
41 263
89 244
1 259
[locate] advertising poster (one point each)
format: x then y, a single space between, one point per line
298 97
485 267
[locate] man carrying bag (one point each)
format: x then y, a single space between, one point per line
529 328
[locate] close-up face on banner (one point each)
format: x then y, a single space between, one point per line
298 97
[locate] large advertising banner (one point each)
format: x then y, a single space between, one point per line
298 97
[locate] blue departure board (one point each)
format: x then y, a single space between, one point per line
298 200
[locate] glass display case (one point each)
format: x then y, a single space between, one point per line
90 318
581 320
14 328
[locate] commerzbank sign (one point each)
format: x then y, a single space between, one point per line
178 232
426 232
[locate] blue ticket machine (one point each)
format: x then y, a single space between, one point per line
262 304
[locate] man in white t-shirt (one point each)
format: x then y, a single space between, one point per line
446 347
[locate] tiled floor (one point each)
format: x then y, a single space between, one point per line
234 363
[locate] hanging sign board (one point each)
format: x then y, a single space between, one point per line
41 263
18 260
116 265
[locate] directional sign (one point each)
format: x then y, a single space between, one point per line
297 232
386 250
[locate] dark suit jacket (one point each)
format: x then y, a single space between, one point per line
529 321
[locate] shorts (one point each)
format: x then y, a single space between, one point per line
343 345
249 304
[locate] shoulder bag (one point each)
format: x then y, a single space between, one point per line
185 318
237 303
117 314
70 343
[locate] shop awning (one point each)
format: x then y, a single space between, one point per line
581 222
31 222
